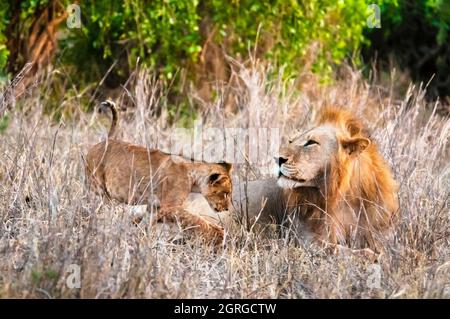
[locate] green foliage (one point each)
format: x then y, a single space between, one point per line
438 15
162 34
4 53
38 275
167 35
416 33
4 122
27 9
289 29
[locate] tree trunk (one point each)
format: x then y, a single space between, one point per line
33 40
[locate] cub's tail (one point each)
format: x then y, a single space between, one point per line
104 107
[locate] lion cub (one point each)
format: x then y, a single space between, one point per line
134 174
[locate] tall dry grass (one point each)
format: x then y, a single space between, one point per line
49 221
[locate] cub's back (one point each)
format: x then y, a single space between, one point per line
114 166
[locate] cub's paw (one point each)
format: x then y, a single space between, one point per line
218 234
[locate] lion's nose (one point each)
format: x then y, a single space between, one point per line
280 160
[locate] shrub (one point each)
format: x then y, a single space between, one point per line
416 34
169 35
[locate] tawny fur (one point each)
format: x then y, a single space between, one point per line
133 174
351 197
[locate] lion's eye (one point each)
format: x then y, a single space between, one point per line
310 142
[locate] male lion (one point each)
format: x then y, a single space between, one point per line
133 174
333 188
335 180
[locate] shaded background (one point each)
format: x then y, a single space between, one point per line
186 43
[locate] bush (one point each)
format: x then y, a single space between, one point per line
162 34
416 34
173 35
169 35
4 7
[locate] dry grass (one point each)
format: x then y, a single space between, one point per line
49 220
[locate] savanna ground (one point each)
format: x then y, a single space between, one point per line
50 221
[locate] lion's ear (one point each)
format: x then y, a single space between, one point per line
355 145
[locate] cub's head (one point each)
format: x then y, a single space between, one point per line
308 157
216 186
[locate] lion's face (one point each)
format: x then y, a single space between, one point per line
217 187
304 161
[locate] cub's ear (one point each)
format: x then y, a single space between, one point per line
227 166
215 177
355 145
